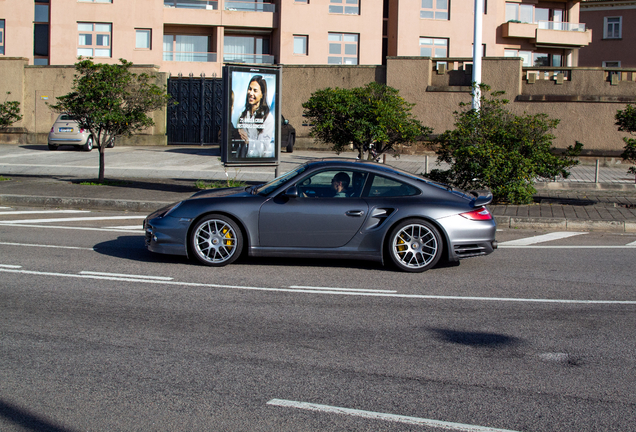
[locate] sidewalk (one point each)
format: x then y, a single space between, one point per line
155 176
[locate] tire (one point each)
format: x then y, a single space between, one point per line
415 245
52 147
89 144
290 143
216 241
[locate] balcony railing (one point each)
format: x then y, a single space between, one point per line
184 56
565 26
192 4
248 58
247 6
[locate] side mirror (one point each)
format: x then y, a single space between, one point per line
292 192
285 122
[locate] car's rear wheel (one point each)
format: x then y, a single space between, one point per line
52 146
111 144
415 245
89 144
291 142
216 240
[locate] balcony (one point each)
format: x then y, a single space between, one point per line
248 58
249 6
549 33
185 56
192 4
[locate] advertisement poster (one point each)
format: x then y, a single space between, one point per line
252 118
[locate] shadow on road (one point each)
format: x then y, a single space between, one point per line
478 339
28 420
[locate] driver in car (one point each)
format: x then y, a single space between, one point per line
340 183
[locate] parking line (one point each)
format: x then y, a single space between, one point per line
78 219
540 238
45 246
383 416
161 278
21 212
341 289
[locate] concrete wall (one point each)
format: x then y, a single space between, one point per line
35 87
585 101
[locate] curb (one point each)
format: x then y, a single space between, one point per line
91 203
512 222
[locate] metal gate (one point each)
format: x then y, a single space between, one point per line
197 117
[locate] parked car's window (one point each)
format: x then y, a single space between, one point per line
268 188
386 187
66 117
333 183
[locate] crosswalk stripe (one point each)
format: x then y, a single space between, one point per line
541 238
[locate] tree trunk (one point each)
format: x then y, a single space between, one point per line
101 163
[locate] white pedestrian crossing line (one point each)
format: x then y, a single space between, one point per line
541 238
78 219
12 213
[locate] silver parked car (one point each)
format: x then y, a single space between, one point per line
66 131
336 208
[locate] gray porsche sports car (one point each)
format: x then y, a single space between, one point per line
335 208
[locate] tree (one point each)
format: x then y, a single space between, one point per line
497 150
9 113
626 122
110 101
373 114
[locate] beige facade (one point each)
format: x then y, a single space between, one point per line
198 36
614 37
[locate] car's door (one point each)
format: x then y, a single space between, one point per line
316 218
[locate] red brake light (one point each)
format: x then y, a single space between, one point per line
481 213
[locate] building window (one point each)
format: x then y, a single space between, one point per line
343 48
96 1
611 64
187 48
247 49
41 33
1 36
143 38
431 47
94 40
529 14
300 44
612 28
346 7
536 59
434 9
302 1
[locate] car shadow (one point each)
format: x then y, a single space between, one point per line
476 339
132 248
28 420
211 150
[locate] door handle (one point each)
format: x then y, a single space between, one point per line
355 213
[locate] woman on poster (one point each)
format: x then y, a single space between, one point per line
256 123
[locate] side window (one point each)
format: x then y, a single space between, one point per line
333 184
386 187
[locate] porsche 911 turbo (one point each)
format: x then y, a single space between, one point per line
329 208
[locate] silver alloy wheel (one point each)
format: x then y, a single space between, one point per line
89 144
415 246
216 241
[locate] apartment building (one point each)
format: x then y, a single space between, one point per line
198 36
614 38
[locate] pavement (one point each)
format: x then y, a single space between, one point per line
143 179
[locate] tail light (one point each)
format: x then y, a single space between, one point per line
81 130
481 213
53 128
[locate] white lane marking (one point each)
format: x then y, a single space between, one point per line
21 212
45 246
540 238
4 208
628 246
340 289
631 244
10 266
162 278
79 219
128 227
347 293
69 228
383 416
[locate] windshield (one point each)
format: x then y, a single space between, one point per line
268 188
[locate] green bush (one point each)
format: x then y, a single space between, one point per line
493 149
374 114
9 113
626 122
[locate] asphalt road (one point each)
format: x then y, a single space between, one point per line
99 334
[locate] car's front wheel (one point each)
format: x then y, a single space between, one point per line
415 245
89 144
216 240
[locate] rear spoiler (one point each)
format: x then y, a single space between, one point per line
481 199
